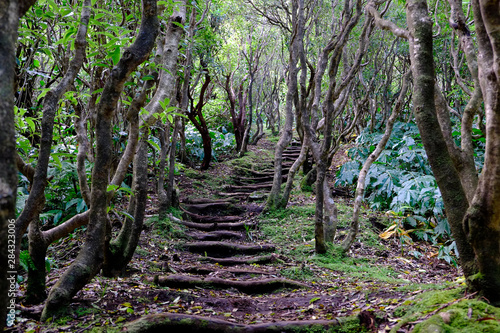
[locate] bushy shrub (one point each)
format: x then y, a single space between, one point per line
401 182
222 143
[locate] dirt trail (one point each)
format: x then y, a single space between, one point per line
221 256
225 276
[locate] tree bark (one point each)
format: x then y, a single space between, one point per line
10 11
123 247
181 323
39 240
248 287
482 222
36 200
274 199
422 64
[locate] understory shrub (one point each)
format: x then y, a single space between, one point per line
401 183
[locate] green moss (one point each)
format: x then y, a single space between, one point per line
194 174
166 227
455 318
298 273
365 268
468 315
253 161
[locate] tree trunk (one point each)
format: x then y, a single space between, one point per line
9 14
446 175
249 118
172 196
360 187
482 222
38 242
274 199
123 247
35 291
36 200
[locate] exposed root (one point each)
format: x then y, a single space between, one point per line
216 235
261 260
210 218
175 322
226 249
218 226
247 287
207 270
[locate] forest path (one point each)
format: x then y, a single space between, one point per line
233 268
222 255
227 255
238 278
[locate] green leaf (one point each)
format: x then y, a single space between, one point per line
148 77
81 206
154 144
30 123
43 92
411 221
112 187
126 189
126 214
72 202
115 55
314 299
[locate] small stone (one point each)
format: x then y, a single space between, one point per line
446 316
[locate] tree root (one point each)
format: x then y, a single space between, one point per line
207 270
209 208
226 249
175 322
219 226
261 260
194 201
251 188
210 218
241 195
216 235
256 179
247 287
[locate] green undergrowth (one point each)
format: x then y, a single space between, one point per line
292 230
166 228
253 161
195 174
461 314
363 268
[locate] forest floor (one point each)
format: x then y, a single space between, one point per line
260 269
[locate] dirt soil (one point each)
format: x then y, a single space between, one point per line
108 303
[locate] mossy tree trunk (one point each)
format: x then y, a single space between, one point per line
447 177
482 222
274 200
448 163
122 248
10 12
38 239
360 187
91 256
330 57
